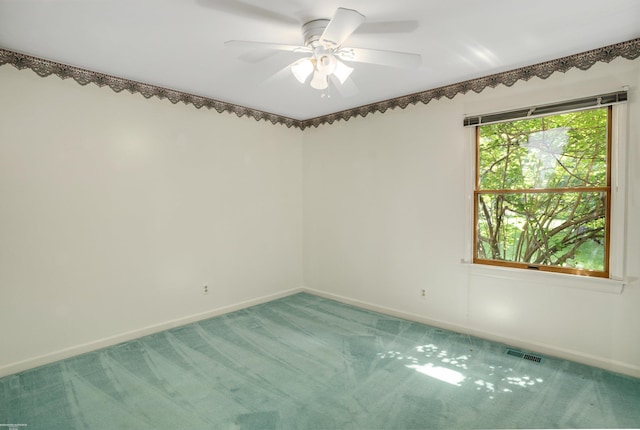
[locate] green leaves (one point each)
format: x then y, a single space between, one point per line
560 151
542 191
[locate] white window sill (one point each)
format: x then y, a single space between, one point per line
602 285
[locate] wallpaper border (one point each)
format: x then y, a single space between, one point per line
583 61
82 76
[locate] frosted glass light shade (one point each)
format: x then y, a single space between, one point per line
301 69
319 81
342 71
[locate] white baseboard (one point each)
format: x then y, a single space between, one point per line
548 350
41 360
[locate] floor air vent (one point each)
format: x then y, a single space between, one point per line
524 355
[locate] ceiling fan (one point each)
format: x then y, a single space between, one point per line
323 43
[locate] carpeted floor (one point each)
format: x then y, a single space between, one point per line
304 362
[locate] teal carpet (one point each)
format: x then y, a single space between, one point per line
303 362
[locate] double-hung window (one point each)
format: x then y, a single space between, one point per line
542 198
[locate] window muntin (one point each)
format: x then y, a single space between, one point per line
542 195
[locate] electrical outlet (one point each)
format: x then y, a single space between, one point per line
205 290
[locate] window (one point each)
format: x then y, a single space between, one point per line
543 193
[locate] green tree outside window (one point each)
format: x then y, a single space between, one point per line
542 193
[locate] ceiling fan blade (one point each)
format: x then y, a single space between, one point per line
280 75
388 27
266 45
255 56
343 23
384 58
347 89
246 10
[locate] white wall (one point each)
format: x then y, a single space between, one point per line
115 210
385 215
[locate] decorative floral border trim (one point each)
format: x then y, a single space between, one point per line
83 77
583 61
629 50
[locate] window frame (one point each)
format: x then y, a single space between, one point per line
608 189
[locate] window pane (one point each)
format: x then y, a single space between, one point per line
554 229
559 151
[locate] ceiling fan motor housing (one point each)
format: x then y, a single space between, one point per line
312 31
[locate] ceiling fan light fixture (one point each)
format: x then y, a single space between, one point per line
301 69
323 41
319 81
326 63
342 71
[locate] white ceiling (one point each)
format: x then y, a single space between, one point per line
178 44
